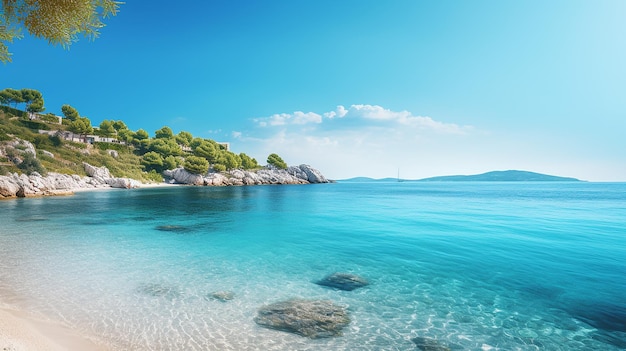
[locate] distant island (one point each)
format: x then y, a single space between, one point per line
494 176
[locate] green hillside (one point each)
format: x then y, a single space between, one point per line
63 143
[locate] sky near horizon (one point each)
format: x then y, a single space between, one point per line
358 87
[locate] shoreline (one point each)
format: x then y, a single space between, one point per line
21 331
141 186
54 184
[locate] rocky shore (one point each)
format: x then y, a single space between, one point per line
303 174
16 185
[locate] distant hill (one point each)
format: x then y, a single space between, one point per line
494 176
502 176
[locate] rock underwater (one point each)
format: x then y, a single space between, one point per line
343 281
428 344
222 296
310 318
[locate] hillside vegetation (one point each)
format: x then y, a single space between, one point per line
62 144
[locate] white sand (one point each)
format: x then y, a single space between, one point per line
22 332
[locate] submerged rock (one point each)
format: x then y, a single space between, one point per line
343 281
173 228
310 318
599 314
158 290
222 295
428 344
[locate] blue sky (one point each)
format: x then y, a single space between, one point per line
360 88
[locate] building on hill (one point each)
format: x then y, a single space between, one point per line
81 138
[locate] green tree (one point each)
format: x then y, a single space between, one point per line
171 162
141 135
57 21
36 106
197 165
184 138
30 95
152 160
248 162
195 142
141 140
165 147
276 161
230 160
81 126
120 125
69 112
11 96
164 133
207 150
125 135
106 129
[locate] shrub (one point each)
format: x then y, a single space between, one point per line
152 161
41 140
197 165
4 136
153 176
110 146
30 164
49 118
56 140
34 125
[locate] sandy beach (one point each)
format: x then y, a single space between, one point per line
20 331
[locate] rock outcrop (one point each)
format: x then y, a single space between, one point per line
343 281
15 185
310 318
303 174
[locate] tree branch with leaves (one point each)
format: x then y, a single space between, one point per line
58 21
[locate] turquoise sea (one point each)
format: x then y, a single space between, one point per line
475 266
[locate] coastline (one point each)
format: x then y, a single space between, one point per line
20 331
54 184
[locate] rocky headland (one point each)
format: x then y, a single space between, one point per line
303 174
33 183
22 185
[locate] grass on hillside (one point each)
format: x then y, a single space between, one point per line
69 156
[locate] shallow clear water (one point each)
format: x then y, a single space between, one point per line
479 266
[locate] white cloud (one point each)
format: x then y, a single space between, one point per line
369 140
281 119
339 112
359 140
405 118
366 113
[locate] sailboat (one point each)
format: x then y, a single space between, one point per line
399 180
